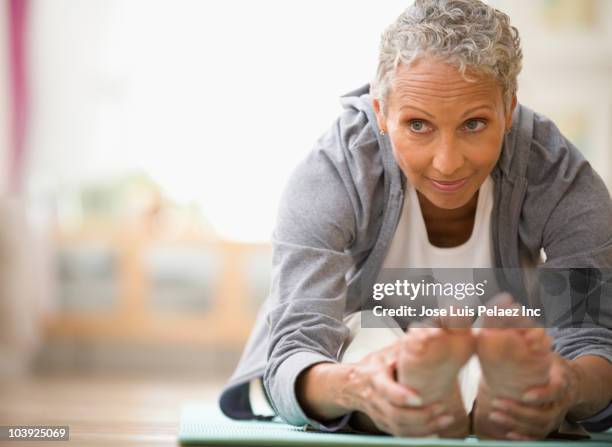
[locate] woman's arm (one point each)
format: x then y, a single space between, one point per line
329 390
322 393
314 228
368 388
577 234
593 386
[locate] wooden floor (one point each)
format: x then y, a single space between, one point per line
101 411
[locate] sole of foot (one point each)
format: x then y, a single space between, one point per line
428 362
514 355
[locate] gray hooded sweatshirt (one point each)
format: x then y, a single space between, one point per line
338 215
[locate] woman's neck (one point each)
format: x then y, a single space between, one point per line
448 228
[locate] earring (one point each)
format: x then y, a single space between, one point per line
382 132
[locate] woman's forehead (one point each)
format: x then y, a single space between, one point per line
433 82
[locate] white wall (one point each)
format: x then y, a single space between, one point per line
216 100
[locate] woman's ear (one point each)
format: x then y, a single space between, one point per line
509 113
380 116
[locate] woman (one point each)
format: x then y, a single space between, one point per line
435 165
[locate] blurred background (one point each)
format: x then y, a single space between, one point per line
144 145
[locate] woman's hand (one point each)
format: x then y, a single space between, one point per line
543 408
372 389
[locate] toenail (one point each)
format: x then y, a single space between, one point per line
445 421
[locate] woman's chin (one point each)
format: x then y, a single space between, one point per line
449 201
446 198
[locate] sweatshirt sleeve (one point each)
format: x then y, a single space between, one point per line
578 234
315 225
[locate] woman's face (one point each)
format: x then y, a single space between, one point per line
444 129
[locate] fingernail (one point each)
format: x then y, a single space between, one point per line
414 401
529 397
445 421
497 417
497 403
515 436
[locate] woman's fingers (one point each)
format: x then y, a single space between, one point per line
414 421
393 407
399 395
523 420
376 412
387 406
556 389
541 410
514 427
409 421
521 412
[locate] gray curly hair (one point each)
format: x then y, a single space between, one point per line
465 33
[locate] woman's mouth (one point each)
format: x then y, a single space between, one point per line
449 186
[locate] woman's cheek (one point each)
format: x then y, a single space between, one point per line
402 161
412 164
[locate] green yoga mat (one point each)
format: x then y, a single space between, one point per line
203 424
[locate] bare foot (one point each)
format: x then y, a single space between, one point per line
429 361
514 356
431 357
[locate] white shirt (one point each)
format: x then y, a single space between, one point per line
411 248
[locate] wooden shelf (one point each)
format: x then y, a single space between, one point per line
226 320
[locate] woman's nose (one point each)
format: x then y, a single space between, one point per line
447 159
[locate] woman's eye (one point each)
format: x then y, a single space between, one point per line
418 126
475 125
